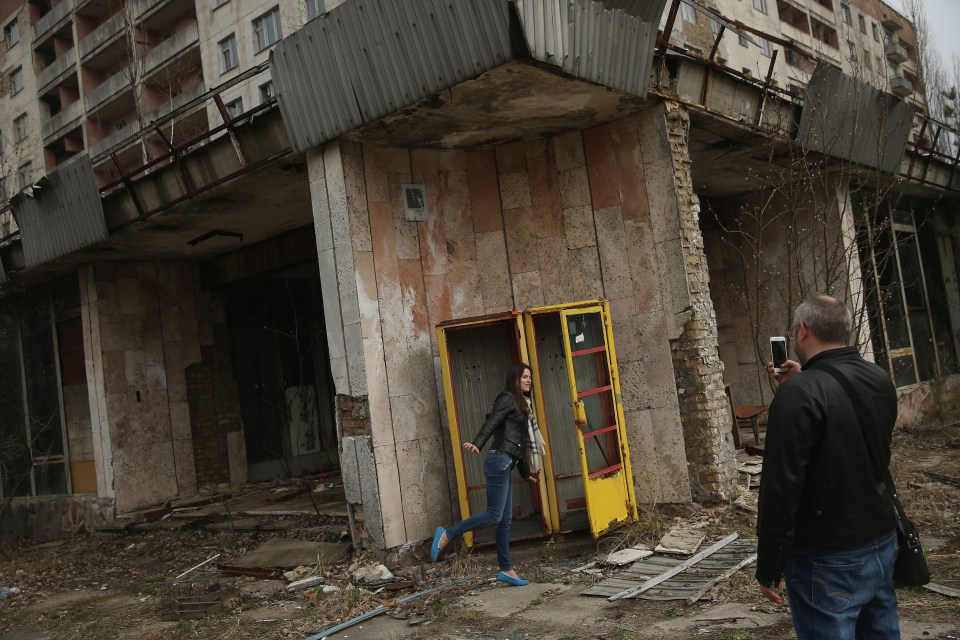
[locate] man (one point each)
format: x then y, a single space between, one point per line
826 522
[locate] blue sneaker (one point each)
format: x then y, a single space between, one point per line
435 548
516 582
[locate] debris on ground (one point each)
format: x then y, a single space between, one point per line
8 592
287 553
626 556
942 589
747 502
682 540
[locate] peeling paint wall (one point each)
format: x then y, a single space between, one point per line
144 322
525 224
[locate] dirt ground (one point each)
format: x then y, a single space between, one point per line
118 585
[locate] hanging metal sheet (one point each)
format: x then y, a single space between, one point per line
368 58
609 42
63 214
848 119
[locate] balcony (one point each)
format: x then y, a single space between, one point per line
67 118
103 35
107 89
52 19
895 53
54 73
900 86
128 132
171 48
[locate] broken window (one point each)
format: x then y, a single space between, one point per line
912 302
688 13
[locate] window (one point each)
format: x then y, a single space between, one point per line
760 5
824 33
742 39
688 13
267 92
11 32
766 48
826 3
846 15
879 65
20 126
234 108
862 22
16 81
219 3
876 31
852 50
266 28
315 8
25 174
715 26
228 53
866 60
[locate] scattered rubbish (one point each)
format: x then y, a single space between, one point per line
304 583
702 591
330 588
269 574
299 573
652 578
940 477
207 561
202 595
372 575
626 556
417 621
681 541
379 610
585 568
287 553
747 501
942 589
8 592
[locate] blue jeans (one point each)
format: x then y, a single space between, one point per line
844 594
497 468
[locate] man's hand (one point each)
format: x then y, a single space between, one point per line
771 594
469 446
533 479
790 368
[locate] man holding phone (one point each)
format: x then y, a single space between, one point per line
825 522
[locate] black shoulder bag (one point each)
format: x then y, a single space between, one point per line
911 568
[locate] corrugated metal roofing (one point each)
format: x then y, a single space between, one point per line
62 217
848 119
369 58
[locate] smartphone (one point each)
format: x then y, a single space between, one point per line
778 351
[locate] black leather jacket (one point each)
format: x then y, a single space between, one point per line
508 426
818 488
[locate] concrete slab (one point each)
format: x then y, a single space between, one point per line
502 601
569 608
732 615
283 552
383 626
916 630
681 541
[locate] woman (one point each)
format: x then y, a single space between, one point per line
510 423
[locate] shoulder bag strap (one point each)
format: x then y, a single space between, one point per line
881 471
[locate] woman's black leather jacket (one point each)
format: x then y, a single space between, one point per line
508 426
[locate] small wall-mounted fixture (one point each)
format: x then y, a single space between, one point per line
414 202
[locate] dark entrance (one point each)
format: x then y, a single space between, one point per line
282 370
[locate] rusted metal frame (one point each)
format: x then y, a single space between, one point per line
663 41
187 144
228 121
718 114
128 183
739 74
199 100
905 305
206 187
916 145
175 156
933 146
708 81
926 299
766 87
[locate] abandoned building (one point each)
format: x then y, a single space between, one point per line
247 240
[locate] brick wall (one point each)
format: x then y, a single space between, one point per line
697 365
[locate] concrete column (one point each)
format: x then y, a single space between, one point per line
685 283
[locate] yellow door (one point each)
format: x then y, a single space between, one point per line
598 415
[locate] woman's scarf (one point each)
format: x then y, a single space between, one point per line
537 446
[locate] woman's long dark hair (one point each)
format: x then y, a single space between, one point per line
512 385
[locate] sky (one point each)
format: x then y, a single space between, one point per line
944 18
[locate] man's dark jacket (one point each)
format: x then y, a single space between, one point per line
818 489
508 426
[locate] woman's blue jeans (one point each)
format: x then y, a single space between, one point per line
497 468
844 594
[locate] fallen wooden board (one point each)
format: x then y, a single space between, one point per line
681 586
943 589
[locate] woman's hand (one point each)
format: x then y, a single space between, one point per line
534 479
469 446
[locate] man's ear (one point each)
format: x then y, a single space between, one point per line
803 332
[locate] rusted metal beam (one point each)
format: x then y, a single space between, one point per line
228 121
175 158
933 146
128 183
916 145
766 87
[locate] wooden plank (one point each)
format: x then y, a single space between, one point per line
652 582
723 576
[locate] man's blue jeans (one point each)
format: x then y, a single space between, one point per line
844 594
497 468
